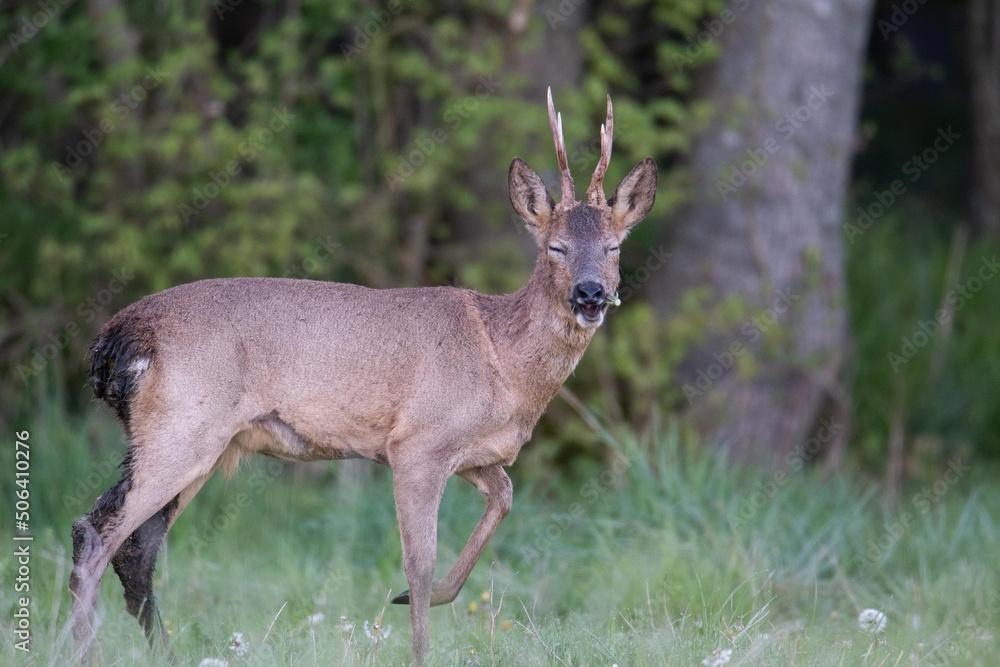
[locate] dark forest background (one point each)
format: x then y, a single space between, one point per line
817 275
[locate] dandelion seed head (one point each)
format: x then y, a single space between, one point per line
376 632
872 621
718 657
238 645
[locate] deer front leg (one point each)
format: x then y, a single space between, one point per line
496 487
417 491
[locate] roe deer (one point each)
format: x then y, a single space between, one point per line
430 381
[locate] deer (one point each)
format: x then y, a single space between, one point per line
430 381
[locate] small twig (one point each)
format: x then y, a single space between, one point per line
494 614
627 622
273 621
377 626
604 646
956 255
533 631
385 604
586 415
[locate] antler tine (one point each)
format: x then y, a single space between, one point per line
595 193
555 120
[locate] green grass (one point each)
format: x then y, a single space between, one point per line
658 558
902 274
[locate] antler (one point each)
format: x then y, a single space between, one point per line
595 193
555 120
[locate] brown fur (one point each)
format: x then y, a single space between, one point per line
431 381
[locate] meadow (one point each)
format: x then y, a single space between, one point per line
661 555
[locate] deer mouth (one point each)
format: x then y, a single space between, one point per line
589 314
588 303
590 311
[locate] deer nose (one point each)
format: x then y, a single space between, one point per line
589 293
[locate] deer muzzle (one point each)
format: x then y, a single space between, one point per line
588 303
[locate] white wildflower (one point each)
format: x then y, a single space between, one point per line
376 632
238 645
872 621
315 619
718 657
212 662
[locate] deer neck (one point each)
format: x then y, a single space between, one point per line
536 338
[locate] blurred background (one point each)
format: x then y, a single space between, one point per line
820 251
786 406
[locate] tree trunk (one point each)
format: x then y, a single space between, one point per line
984 69
770 178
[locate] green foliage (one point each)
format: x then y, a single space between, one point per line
344 142
630 371
922 358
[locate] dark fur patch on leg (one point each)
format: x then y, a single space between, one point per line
118 356
92 526
134 564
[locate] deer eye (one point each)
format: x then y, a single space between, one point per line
614 248
557 250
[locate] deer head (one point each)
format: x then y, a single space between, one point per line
578 241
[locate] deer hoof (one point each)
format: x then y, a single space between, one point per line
402 598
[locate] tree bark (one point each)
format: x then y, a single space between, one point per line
984 69
770 178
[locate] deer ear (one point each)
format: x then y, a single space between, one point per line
635 196
529 197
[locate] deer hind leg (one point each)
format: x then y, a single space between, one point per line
417 491
134 563
138 510
136 559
